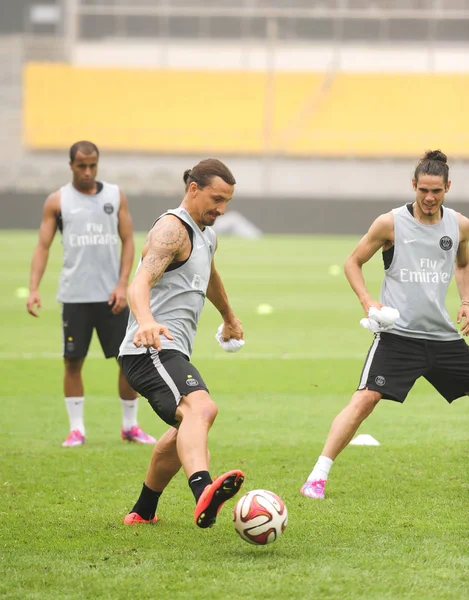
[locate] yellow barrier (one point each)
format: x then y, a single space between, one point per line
293 114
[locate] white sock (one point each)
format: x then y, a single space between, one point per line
129 413
75 406
321 469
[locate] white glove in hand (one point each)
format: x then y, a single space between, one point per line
231 345
380 319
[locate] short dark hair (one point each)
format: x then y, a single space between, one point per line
83 146
205 171
433 162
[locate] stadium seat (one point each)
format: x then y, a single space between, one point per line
246 112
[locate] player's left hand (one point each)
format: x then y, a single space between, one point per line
118 298
232 329
463 317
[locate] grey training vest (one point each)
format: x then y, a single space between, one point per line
90 238
177 298
416 282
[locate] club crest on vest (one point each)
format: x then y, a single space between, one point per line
446 243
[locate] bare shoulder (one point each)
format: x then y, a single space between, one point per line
168 232
167 242
52 203
463 223
385 220
123 198
383 227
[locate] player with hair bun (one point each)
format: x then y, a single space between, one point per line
423 244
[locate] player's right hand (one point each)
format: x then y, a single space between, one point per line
463 319
33 299
148 335
368 303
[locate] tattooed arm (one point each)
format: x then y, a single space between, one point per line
167 242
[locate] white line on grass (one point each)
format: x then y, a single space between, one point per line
242 355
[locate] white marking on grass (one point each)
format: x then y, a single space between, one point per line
195 357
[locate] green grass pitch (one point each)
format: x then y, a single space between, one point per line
393 525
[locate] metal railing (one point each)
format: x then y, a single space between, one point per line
295 20
288 8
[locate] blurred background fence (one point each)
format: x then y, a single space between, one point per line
321 108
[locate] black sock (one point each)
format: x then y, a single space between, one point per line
198 482
147 503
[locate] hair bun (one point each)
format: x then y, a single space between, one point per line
187 174
435 155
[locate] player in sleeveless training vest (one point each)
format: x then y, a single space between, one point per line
92 217
166 297
423 245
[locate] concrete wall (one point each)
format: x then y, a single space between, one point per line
281 55
313 178
273 215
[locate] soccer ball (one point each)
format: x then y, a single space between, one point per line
260 517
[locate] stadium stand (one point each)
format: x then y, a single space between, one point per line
312 114
279 88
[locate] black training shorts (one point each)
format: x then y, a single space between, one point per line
80 319
162 378
394 363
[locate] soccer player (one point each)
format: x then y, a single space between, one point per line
92 216
422 244
166 297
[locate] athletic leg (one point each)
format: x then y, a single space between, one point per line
77 332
